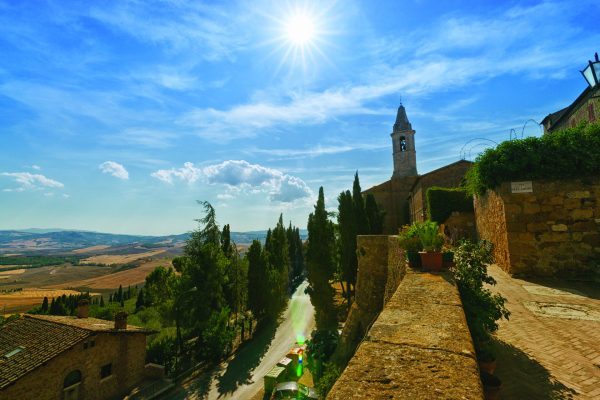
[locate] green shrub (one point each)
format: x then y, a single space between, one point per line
565 154
482 308
441 202
331 373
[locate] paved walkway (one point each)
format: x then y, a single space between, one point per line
550 347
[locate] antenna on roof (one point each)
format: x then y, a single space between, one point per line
400 99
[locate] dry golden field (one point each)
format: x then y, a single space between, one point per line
109 259
91 249
27 298
133 276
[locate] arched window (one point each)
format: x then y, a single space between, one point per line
402 143
71 385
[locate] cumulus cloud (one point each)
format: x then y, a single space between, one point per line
239 176
188 173
28 180
36 167
115 169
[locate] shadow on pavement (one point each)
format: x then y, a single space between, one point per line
524 378
582 286
240 367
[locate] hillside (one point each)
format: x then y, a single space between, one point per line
34 240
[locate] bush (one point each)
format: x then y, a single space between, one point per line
441 202
482 308
409 240
428 233
565 154
331 373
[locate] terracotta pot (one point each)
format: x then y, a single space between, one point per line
487 366
431 261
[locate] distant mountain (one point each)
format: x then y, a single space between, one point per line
65 240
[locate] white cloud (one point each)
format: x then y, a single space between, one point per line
28 180
36 167
188 173
239 176
115 169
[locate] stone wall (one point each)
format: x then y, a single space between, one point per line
450 175
381 267
553 230
126 352
392 197
418 348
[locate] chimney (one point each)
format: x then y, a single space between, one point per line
121 320
83 308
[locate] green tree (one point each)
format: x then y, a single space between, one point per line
140 302
45 305
374 216
226 241
362 224
159 285
277 254
320 263
347 228
101 301
258 280
120 293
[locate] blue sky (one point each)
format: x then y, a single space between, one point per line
118 116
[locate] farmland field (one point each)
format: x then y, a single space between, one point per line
91 249
25 299
112 259
133 276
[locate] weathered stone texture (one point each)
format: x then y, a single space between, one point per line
381 267
559 233
418 348
126 352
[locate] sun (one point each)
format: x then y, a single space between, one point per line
300 30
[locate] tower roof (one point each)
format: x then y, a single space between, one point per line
402 123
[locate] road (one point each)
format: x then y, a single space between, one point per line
241 376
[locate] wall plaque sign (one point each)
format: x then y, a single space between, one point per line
521 187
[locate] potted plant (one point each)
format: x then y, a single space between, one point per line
410 242
432 241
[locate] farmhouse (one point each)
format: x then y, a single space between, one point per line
57 357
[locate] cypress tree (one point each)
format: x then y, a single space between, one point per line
101 301
139 303
110 298
226 241
120 293
362 225
45 305
374 216
347 241
320 262
258 280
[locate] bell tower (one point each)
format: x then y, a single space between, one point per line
403 145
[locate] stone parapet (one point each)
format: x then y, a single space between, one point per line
418 348
381 267
551 231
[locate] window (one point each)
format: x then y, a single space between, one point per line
402 143
71 385
13 352
105 371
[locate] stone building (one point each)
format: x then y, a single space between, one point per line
57 357
403 196
585 108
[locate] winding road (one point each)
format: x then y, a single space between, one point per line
241 376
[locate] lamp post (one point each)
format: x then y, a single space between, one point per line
591 73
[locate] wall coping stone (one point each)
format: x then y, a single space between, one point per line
418 348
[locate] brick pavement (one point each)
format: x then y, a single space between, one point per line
550 347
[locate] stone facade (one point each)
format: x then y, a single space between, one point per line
450 175
553 230
419 347
126 353
586 108
381 267
403 196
